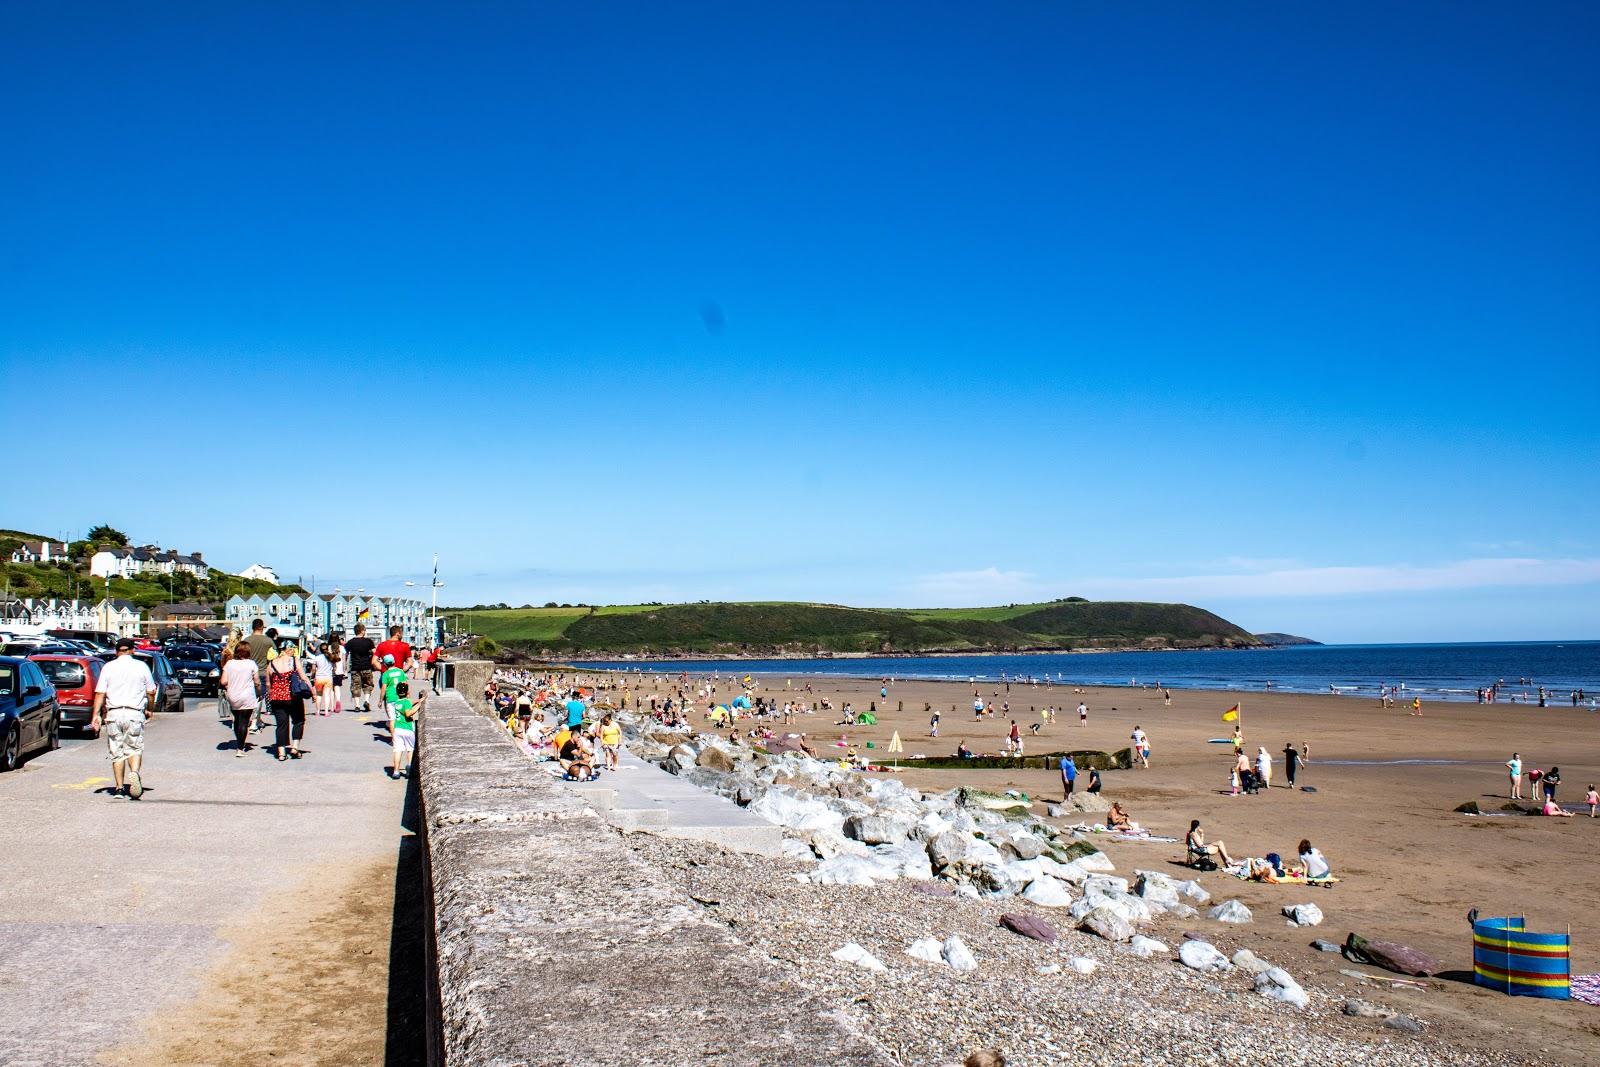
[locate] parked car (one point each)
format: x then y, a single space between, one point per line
74 676
29 717
197 669
169 691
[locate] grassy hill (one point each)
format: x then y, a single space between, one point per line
792 628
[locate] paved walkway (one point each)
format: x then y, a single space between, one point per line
111 909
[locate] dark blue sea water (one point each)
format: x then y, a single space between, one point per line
1434 672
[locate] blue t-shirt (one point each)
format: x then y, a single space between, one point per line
575 711
1069 770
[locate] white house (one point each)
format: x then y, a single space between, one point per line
55 614
40 552
260 572
109 562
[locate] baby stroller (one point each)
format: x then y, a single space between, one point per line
1250 782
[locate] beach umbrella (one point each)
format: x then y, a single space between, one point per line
896 746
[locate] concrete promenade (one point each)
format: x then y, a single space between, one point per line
111 911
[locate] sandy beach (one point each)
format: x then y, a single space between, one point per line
1411 867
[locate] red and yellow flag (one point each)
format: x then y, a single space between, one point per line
1231 715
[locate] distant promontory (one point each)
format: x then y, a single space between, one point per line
1279 640
800 629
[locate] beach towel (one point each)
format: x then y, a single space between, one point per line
1586 987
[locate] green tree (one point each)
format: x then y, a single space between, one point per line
487 647
105 535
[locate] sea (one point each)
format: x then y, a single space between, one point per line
1430 671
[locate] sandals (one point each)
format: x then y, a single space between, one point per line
295 753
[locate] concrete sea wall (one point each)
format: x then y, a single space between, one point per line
552 943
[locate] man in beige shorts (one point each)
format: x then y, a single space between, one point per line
125 693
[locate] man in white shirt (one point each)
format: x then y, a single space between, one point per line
125 693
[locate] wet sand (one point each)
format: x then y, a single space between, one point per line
1410 866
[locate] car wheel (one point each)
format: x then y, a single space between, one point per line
11 751
55 732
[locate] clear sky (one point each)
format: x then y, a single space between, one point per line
1285 310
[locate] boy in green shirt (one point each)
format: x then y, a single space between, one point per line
388 681
403 733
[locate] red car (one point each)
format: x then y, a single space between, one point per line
74 678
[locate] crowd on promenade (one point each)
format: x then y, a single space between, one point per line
263 674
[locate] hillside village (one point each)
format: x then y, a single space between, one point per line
104 583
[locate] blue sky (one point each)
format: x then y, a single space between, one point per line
1289 312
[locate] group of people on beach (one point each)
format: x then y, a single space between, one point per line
1544 785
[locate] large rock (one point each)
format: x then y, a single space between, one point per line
1105 883
1194 891
1047 892
991 879
927 949
680 760
1203 956
1024 846
1107 923
1029 926
1147 946
1230 911
1126 905
931 825
714 759
1277 984
947 849
850 952
1093 803
830 843
1096 862
875 830
1007 806
957 955
1250 963
1156 888
845 869
1303 914
908 858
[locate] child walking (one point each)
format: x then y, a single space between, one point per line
1592 799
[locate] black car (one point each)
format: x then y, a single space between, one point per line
169 691
29 718
197 669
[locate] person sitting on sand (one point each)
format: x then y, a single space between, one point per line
1315 864
1196 844
1117 819
577 757
1552 808
962 751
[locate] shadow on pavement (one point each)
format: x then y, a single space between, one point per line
406 1042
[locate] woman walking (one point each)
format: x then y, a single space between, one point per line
240 686
288 706
224 709
322 670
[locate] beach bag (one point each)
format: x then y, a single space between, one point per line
298 689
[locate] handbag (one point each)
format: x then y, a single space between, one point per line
298 689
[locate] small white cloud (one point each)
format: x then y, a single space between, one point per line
964 588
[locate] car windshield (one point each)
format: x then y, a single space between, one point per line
63 674
190 654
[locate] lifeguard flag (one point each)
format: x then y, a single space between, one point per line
1231 715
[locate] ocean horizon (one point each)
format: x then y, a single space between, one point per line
1434 671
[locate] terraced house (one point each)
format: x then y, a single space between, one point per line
110 562
325 612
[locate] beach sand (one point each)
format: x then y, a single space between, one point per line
1410 866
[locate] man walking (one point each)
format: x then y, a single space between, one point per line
1069 777
397 648
360 649
262 649
125 693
